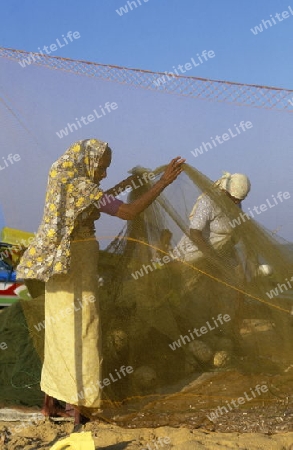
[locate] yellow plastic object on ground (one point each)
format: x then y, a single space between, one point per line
76 441
14 237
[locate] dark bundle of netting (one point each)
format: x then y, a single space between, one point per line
172 314
20 364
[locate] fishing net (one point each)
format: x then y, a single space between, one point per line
184 334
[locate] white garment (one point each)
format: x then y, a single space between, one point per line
207 217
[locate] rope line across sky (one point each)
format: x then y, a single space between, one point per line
211 90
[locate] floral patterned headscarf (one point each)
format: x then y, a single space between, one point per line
70 191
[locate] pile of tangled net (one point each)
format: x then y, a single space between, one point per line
152 301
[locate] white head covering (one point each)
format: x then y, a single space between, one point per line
238 185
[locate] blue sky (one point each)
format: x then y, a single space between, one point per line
159 34
148 128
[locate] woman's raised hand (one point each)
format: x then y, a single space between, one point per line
172 171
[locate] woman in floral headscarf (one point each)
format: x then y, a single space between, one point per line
64 254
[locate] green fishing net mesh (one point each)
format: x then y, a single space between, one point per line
189 328
171 320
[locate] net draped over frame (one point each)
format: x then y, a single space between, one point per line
180 337
169 320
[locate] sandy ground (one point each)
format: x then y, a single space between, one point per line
45 433
176 420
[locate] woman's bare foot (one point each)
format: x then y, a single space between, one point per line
70 410
51 408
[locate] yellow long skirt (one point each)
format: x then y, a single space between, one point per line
72 362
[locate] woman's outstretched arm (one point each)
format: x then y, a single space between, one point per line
120 187
128 211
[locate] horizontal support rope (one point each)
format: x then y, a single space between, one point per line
211 90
